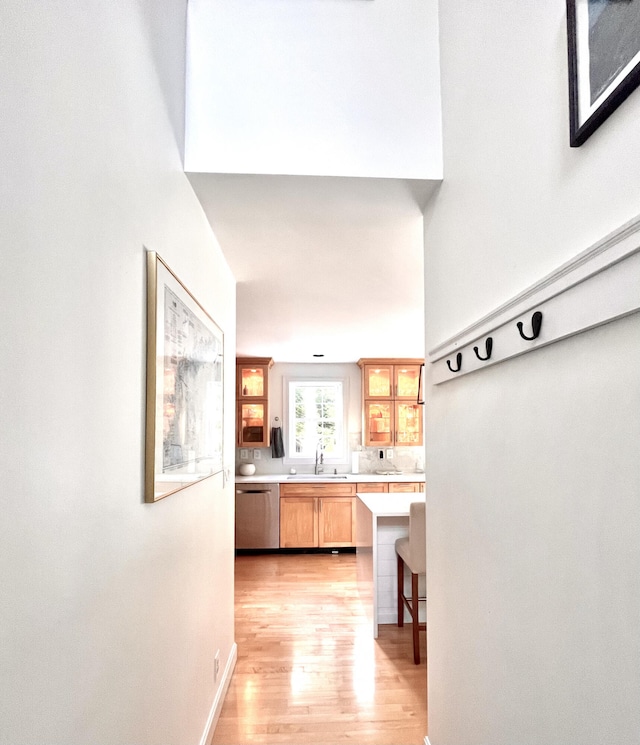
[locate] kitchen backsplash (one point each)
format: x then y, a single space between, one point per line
407 460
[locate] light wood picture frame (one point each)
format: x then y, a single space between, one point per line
185 386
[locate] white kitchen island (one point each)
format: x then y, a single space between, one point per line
380 520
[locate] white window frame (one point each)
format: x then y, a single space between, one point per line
291 458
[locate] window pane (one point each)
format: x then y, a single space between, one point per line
315 418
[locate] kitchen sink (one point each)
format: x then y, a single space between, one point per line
316 477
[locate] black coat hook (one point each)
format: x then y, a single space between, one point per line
536 324
488 345
458 363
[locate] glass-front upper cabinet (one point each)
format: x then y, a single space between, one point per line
253 424
407 378
253 378
408 424
392 415
378 418
378 381
252 395
391 380
389 424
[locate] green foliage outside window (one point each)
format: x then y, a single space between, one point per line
318 417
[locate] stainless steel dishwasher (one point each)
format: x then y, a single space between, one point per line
257 515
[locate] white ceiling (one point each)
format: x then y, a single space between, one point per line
324 265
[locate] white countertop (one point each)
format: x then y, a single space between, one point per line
390 505
350 478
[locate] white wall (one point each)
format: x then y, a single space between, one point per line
111 609
337 87
532 465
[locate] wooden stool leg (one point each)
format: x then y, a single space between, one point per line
400 590
415 618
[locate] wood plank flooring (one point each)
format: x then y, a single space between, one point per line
309 670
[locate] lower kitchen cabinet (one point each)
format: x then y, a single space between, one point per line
336 522
323 514
373 487
298 522
392 486
327 520
406 486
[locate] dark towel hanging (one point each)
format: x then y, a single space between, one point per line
277 446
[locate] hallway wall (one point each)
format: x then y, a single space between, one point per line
314 88
112 609
532 465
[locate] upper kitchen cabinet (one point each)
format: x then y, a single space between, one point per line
252 394
252 377
391 413
390 379
408 424
378 423
377 380
406 379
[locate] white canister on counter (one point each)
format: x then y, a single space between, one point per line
247 469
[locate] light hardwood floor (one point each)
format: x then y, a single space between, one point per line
309 670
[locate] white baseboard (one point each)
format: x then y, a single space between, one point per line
390 617
216 708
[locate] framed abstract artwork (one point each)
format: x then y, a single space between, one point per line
604 61
184 410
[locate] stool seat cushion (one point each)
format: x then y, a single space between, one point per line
413 548
402 549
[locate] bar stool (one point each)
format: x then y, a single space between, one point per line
412 551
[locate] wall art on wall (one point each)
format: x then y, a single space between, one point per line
184 412
604 60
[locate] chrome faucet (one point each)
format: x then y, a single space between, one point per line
319 458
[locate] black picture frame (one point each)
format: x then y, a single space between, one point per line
604 61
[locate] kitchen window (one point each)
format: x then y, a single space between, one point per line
316 413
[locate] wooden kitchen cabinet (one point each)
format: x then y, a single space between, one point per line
252 377
298 522
252 396
319 515
392 416
336 522
252 424
397 487
408 424
379 417
390 379
403 487
389 424
392 423
373 487
407 380
377 379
